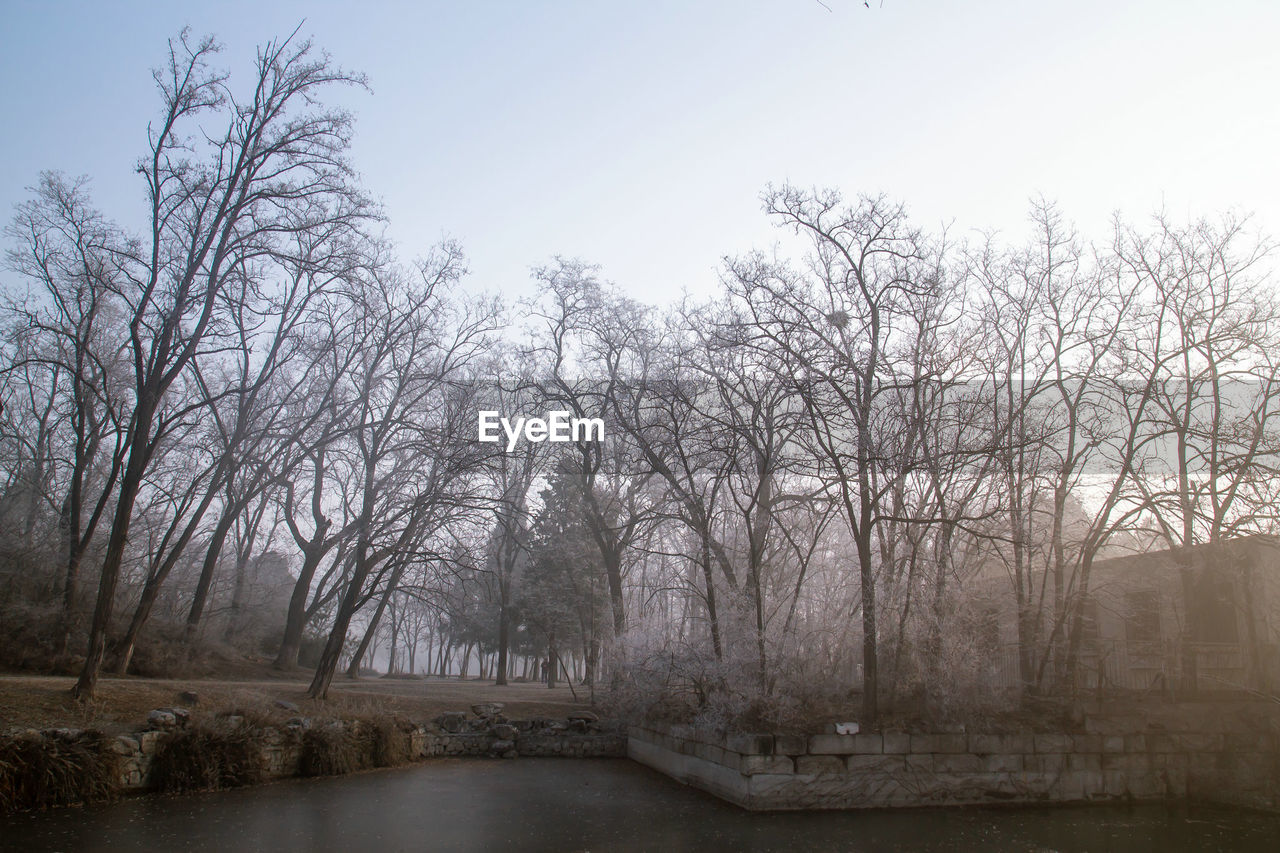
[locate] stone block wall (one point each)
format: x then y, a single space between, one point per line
894 769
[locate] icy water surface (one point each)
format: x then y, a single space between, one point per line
598 805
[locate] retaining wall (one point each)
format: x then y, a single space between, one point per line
282 753
767 772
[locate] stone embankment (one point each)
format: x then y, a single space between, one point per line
1210 760
768 772
484 733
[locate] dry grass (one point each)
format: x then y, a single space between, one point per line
209 756
333 751
55 769
391 741
121 704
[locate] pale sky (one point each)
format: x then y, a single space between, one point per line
640 135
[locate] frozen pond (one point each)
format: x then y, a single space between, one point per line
598 805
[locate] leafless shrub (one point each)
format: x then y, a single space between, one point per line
687 684
948 673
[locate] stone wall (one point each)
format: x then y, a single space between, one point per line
562 744
513 738
782 772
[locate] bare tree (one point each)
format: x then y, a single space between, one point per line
219 208
589 333
833 327
412 433
69 329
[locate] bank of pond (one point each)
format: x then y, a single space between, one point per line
547 804
1200 784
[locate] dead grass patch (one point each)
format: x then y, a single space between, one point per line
333 750
209 756
42 769
121 704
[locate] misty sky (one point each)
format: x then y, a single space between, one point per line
639 135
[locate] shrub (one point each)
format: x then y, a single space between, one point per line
209 756
665 682
392 744
42 769
31 638
163 650
345 747
333 750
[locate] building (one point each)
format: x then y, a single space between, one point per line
1205 618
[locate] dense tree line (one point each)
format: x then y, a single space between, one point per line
247 422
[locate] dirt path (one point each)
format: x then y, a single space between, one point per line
122 704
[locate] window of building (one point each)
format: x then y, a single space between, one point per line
1142 616
1216 608
1088 620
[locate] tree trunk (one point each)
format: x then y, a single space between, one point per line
208 569
139 454
552 659
329 658
712 617
870 667
500 670
613 568
353 671
296 620
150 592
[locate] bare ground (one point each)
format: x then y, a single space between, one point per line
122 704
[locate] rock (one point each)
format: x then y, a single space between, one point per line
847 728
585 716
181 715
286 705
502 731
147 742
189 697
161 719
452 721
523 725
487 709
579 726
501 746
124 745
